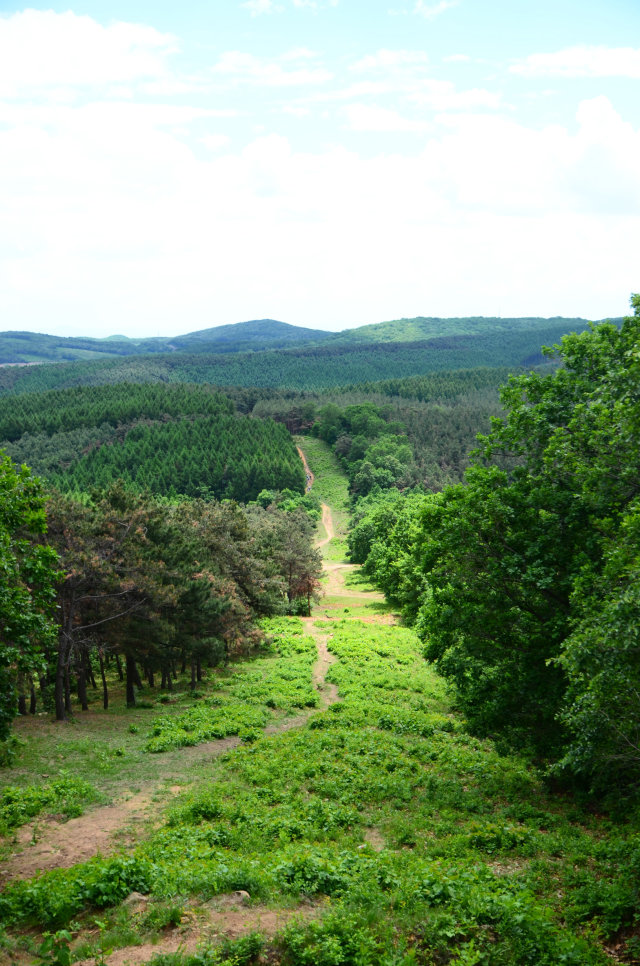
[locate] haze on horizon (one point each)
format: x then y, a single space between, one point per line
327 163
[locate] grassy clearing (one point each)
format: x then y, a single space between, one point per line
421 844
330 486
110 749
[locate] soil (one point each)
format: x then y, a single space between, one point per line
208 924
309 475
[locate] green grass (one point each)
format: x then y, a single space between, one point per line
110 750
424 845
330 486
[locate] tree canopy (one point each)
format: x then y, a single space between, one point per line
530 603
27 582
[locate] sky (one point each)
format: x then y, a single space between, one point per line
167 167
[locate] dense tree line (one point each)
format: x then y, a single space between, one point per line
27 586
372 446
172 440
83 407
310 368
230 457
527 574
153 587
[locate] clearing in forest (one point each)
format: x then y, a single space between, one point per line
346 818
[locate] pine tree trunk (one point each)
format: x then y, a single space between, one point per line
105 690
90 673
81 673
32 704
119 666
137 680
67 688
132 674
61 713
192 684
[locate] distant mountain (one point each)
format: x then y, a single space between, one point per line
268 334
248 336
308 367
432 327
32 347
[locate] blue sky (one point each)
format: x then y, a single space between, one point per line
165 167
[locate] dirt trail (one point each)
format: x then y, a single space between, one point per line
327 523
328 692
209 923
55 845
309 475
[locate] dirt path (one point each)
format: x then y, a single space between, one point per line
327 523
309 475
328 692
47 845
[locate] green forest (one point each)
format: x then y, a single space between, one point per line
369 695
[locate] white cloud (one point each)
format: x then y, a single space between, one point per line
364 117
119 213
125 226
46 50
385 59
299 53
215 142
431 10
243 68
296 110
443 96
257 7
456 58
582 62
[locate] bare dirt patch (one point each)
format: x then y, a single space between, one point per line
375 839
328 692
52 845
207 925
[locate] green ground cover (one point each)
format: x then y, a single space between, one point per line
109 749
243 703
421 844
330 486
65 796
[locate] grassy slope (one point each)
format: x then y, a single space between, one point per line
399 838
331 487
422 844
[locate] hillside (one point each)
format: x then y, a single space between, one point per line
310 368
320 805
263 334
169 440
432 327
31 347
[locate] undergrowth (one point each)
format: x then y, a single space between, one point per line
421 844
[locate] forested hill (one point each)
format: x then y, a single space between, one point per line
260 334
170 440
310 368
32 347
433 327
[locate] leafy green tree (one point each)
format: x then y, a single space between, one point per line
28 573
520 563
